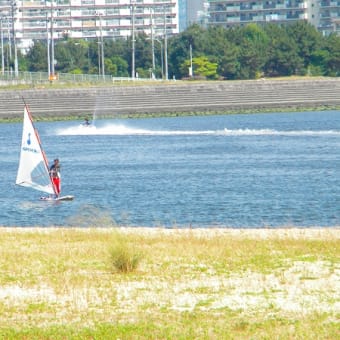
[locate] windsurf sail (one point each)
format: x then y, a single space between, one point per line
33 166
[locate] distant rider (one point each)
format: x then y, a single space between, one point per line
55 175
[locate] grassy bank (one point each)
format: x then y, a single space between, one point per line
189 284
255 110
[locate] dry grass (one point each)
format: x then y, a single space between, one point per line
193 283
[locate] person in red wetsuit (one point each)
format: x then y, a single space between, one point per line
55 175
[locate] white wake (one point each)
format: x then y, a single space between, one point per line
121 129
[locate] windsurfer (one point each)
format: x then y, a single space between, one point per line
55 175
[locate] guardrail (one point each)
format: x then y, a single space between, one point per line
43 77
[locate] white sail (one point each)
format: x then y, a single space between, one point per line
33 169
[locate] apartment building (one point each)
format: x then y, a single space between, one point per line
323 14
328 16
42 19
38 19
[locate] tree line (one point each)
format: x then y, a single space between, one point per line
246 52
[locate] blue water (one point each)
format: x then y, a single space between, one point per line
256 170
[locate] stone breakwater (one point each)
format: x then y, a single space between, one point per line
172 97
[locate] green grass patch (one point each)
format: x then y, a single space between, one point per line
186 326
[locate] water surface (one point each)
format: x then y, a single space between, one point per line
250 170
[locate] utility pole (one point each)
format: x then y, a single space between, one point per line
48 47
191 71
152 45
103 56
162 61
52 43
102 45
9 43
2 48
133 67
165 47
99 58
16 67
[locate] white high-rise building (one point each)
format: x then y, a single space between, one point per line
37 19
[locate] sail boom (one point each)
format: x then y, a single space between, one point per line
45 189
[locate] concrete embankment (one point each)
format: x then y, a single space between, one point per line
172 97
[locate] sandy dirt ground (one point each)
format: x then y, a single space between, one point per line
300 288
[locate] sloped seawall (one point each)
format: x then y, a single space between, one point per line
172 97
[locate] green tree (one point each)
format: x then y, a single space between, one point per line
318 65
253 42
229 66
22 61
282 53
143 55
332 61
37 57
307 40
215 41
71 55
116 66
179 49
202 67
232 53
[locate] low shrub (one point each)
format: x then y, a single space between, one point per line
124 257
